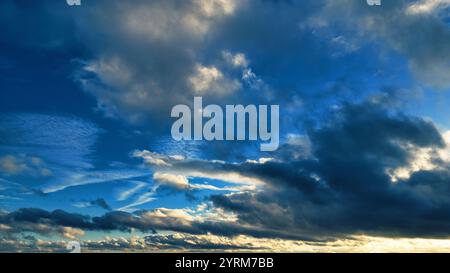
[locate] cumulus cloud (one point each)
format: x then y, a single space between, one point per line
157 63
171 180
364 154
207 80
236 60
350 170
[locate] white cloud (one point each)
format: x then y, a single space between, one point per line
72 233
125 194
238 60
196 168
151 56
152 158
427 6
422 159
261 160
162 21
212 8
11 165
81 178
171 180
210 80
141 200
181 182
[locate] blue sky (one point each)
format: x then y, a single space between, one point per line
85 145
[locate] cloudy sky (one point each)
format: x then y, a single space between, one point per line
85 147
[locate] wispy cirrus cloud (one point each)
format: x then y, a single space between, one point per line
80 178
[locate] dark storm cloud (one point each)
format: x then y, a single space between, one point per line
46 223
353 191
40 216
147 221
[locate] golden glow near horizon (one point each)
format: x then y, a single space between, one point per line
168 243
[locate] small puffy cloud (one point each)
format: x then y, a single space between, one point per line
207 80
10 165
72 233
237 60
217 7
152 158
23 165
171 180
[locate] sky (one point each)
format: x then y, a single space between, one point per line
87 155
